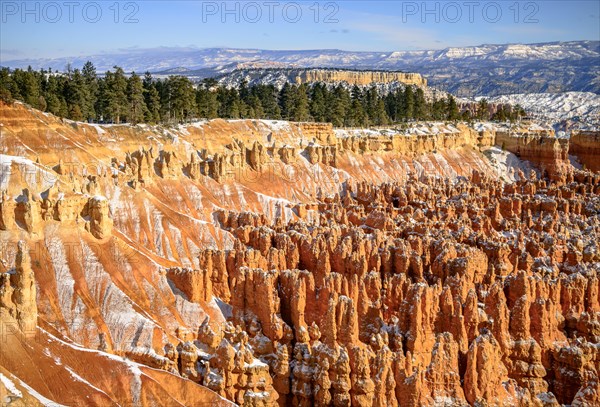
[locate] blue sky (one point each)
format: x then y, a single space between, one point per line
46 29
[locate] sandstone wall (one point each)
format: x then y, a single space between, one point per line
549 153
359 78
74 210
586 146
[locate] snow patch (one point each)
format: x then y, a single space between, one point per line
12 389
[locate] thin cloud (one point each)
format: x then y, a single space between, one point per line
12 52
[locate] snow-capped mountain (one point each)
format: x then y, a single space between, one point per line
466 71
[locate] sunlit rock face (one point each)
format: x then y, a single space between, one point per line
359 77
585 145
268 263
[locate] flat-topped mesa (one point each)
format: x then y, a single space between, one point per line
359 77
422 139
586 146
321 143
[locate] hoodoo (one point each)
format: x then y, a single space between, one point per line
273 263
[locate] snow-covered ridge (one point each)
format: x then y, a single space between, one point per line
180 59
464 71
583 107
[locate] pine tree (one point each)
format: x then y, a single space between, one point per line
255 109
482 110
408 104
77 94
53 94
28 83
151 99
301 109
230 103
90 80
243 91
517 112
268 100
391 106
420 105
370 100
337 105
499 115
452 108
165 99
7 86
438 109
356 115
207 100
182 97
287 101
116 94
101 106
135 97
75 113
317 102
380 115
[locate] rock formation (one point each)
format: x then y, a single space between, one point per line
100 224
274 264
540 147
427 296
18 293
359 77
586 146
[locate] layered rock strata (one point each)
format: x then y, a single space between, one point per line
359 77
585 145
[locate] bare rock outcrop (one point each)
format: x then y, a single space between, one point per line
18 293
585 145
359 77
100 223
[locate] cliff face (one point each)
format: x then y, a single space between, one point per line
539 146
275 263
359 77
586 146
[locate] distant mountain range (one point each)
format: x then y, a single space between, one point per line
465 71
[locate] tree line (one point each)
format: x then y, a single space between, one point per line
82 95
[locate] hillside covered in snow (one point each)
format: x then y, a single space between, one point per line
465 71
582 109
